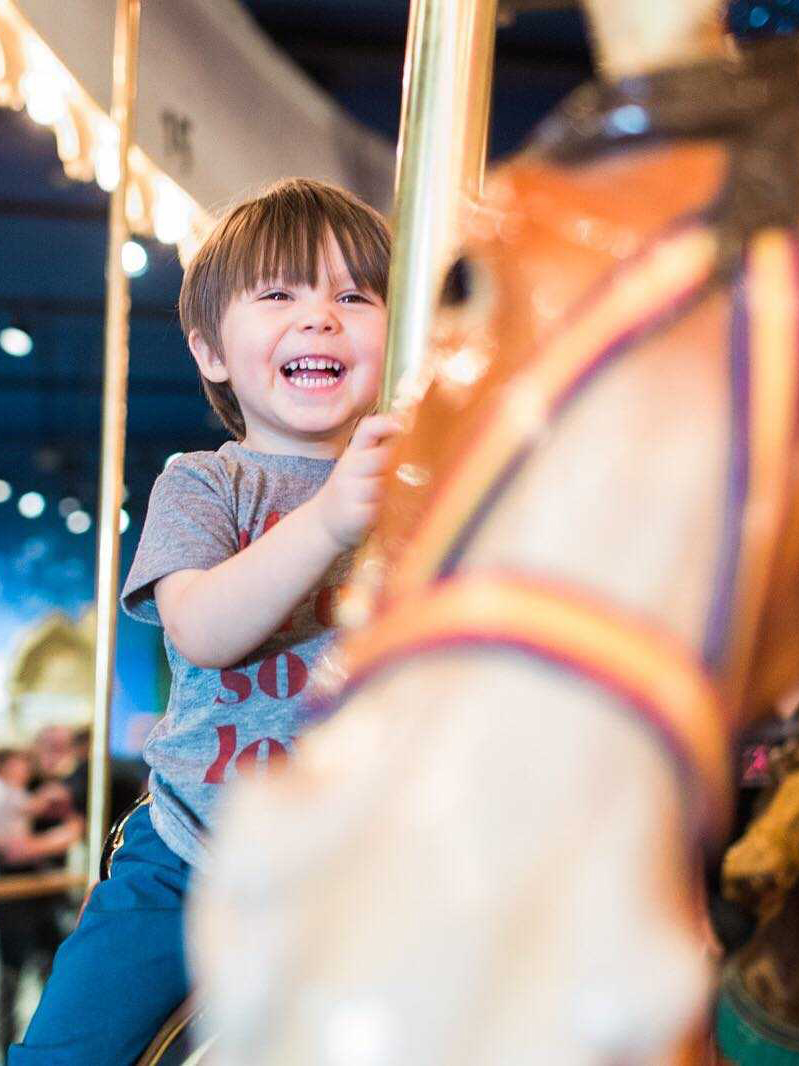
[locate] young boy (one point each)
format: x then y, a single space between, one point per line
284 312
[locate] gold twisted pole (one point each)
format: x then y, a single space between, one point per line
440 159
112 459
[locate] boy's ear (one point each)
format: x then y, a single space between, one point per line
210 362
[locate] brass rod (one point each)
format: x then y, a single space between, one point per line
112 458
440 159
477 56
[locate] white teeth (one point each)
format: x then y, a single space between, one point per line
314 364
314 383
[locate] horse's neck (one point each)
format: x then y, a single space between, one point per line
622 498
622 495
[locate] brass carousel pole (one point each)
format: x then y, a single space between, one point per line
440 159
112 460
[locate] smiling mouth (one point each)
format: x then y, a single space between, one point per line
313 372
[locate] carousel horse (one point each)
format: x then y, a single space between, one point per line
584 580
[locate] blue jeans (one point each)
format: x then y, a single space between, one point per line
120 975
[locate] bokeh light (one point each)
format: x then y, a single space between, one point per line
134 259
31 504
78 522
757 18
68 505
15 341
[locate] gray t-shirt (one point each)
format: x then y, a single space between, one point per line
204 508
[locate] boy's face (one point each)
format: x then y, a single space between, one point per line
304 362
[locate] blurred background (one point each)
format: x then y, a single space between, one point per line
52 260
52 263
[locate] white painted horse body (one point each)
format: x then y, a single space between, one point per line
483 857
430 914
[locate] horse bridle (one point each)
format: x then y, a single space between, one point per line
748 231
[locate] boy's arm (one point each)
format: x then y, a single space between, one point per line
217 617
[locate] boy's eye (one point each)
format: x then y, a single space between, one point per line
276 295
354 298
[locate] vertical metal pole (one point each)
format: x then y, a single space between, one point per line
112 460
440 157
477 44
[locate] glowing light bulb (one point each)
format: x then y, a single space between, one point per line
67 138
134 259
106 155
172 213
43 102
31 504
15 341
124 520
5 491
44 85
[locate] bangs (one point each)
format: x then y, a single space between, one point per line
284 236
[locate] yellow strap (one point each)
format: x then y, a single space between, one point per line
648 668
772 298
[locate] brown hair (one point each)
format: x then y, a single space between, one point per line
281 233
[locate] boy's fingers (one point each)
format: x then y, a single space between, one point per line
369 462
374 429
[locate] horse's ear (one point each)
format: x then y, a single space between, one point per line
631 37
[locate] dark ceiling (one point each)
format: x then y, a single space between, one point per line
52 236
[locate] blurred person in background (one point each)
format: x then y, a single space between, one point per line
30 929
19 805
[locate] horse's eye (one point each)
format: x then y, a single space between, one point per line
458 285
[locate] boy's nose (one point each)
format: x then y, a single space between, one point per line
320 321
